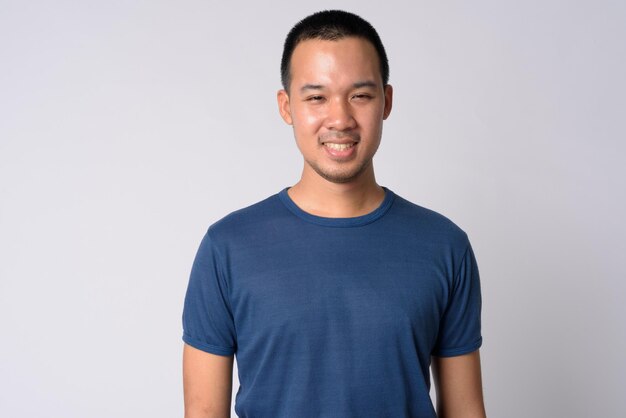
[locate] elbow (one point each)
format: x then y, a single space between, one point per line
205 413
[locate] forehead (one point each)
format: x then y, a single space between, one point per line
334 62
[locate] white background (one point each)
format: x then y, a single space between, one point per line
128 127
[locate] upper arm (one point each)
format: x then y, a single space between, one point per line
207 383
458 384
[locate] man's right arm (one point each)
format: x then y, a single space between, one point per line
207 383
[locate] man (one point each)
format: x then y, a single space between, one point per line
336 293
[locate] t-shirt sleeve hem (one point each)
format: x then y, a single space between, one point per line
458 351
213 349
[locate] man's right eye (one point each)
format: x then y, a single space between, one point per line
315 98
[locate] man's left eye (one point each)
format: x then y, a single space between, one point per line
362 96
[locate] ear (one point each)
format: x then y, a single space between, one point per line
388 101
284 107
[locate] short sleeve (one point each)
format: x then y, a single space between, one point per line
208 322
460 326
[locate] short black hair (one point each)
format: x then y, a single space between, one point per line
331 25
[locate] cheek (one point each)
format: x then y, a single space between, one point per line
306 120
372 122
313 119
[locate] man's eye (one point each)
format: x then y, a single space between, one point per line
362 96
315 99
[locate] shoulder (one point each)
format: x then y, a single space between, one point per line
428 223
248 220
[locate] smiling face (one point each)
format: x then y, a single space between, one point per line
336 104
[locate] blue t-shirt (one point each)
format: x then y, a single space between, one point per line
334 317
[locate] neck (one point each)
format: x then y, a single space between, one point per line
320 197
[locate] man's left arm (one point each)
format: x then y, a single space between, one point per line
458 384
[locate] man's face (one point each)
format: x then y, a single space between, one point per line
336 105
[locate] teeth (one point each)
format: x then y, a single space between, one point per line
338 146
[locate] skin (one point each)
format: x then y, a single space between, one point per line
207 383
459 386
336 95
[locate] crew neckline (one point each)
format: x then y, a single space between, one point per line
338 222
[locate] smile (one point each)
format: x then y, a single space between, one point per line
339 147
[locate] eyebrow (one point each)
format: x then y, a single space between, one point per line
366 83
357 85
311 87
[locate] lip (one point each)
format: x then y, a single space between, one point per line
340 155
339 141
340 137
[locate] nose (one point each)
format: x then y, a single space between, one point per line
340 115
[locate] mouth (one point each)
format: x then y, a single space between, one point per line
340 151
339 146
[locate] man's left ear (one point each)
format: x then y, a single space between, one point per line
388 101
283 106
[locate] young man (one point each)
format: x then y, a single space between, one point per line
335 294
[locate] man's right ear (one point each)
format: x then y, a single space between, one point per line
283 106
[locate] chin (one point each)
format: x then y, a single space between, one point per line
341 177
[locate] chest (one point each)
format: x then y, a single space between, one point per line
336 287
